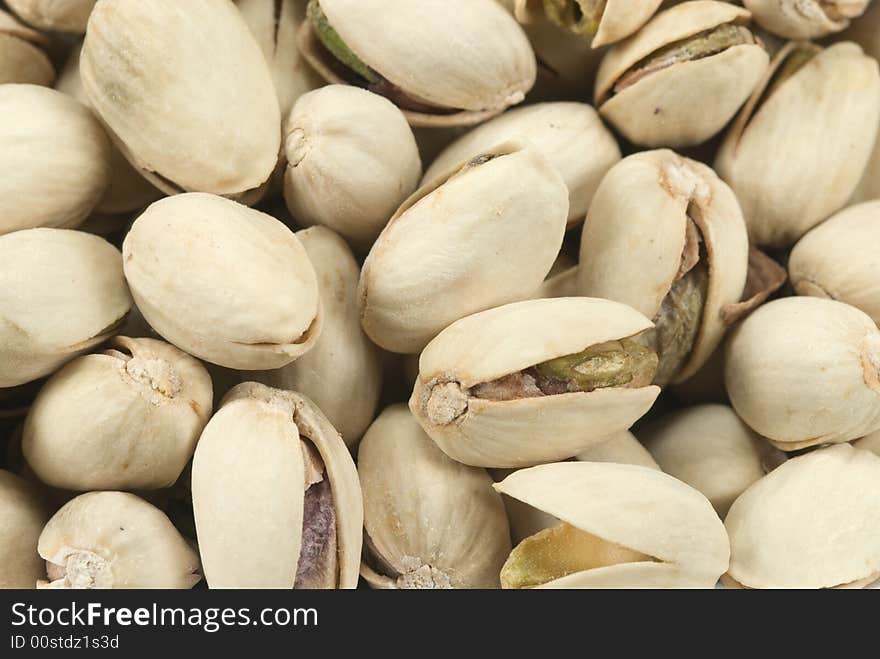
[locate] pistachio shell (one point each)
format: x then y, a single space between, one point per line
804 371
54 15
23 513
183 260
621 448
21 58
526 430
489 241
869 443
805 19
810 523
192 106
563 284
794 157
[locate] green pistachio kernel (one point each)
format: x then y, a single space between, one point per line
625 363
335 45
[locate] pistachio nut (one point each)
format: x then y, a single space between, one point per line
342 374
683 76
61 293
296 520
351 161
127 418
563 284
810 523
443 62
804 371
839 259
800 146
185 92
621 526
54 15
183 260
103 540
606 21
22 59
454 534
805 19
683 227
467 241
570 135
869 443
534 381
23 512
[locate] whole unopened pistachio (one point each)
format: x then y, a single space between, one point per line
102 540
810 523
683 76
127 418
805 19
839 259
54 15
801 144
443 62
666 236
484 234
54 159
429 522
223 282
22 59
570 135
343 372
295 516
804 371
621 526
606 21
61 293
534 381
23 513
185 92
351 161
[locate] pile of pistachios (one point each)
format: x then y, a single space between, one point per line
439 294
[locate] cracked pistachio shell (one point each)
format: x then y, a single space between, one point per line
223 282
839 259
342 374
467 59
253 446
795 157
351 161
429 521
23 514
484 234
804 371
61 293
505 340
639 215
102 540
632 507
810 523
127 418
22 60
712 450
570 135
54 15
805 19
54 159
687 102
185 92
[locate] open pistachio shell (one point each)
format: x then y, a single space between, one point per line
622 448
296 515
104 540
839 259
23 514
22 60
683 76
54 15
800 146
503 388
804 371
183 260
467 241
810 523
805 19
430 522
669 536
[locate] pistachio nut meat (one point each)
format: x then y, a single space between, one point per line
184 259
669 536
606 21
443 62
124 419
296 520
805 19
683 76
453 534
534 381
104 540
798 149
810 523
54 15
464 242
62 293
22 58
666 236
804 371
24 512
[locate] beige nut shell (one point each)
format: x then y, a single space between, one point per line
55 15
22 59
869 443
796 19
23 514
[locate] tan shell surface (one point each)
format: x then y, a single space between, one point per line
9 24
622 18
869 443
55 15
23 513
23 62
622 448
795 19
